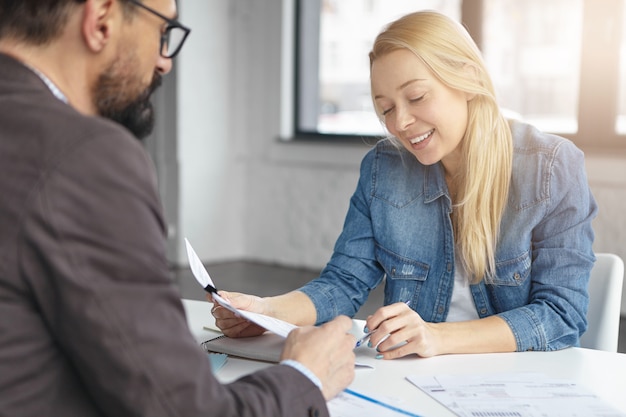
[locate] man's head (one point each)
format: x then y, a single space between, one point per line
34 21
126 45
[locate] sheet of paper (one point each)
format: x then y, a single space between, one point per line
350 403
197 269
280 327
272 324
519 395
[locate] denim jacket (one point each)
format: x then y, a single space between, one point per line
398 230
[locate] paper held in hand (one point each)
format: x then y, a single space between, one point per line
280 327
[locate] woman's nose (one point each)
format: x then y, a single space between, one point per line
404 118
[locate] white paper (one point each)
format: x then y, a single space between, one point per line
198 270
519 395
350 403
280 327
272 324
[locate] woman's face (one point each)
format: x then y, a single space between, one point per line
428 117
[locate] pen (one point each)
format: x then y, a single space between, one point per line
210 289
365 337
380 403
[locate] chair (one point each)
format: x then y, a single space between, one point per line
605 298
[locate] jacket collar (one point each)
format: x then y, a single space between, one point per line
15 71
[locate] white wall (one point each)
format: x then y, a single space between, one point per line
212 177
244 194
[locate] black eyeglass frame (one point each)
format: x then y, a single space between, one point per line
171 23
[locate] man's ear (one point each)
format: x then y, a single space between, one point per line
97 23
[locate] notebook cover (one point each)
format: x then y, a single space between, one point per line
266 347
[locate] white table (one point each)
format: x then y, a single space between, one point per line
604 373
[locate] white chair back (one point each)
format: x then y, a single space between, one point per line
605 298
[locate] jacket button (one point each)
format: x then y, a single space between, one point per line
393 270
517 276
314 412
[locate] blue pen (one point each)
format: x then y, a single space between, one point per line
369 334
380 403
364 338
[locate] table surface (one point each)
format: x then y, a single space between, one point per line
604 373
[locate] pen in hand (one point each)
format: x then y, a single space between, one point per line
366 337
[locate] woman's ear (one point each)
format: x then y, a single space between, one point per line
97 23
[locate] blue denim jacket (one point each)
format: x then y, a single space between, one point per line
398 229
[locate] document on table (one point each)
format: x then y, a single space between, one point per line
515 395
280 327
351 403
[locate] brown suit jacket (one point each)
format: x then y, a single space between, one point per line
90 321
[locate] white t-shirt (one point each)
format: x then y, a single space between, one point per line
462 306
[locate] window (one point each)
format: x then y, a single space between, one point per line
620 122
532 50
335 37
558 64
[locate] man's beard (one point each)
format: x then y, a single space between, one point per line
115 99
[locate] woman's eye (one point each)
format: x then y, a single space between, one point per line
386 112
416 99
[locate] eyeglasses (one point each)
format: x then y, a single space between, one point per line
174 35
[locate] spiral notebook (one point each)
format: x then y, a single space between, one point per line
266 347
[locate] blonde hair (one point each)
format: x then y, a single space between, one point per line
448 51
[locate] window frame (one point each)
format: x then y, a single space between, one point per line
601 41
312 58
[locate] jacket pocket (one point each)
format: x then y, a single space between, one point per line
512 272
399 267
404 277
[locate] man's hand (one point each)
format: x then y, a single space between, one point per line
328 351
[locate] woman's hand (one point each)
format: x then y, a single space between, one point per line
232 325
400 331
293 307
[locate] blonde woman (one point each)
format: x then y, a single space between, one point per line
479 228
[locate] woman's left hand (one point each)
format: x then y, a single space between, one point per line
400 331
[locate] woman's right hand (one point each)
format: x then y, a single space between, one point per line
232 325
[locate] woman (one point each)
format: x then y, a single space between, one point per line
481 227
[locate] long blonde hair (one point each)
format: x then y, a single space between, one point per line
449 52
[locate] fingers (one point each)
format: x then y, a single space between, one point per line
392 341
417 339
385 313
400 331
220 312
387 320
231 324
403 349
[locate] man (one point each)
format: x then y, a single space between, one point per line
90 322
